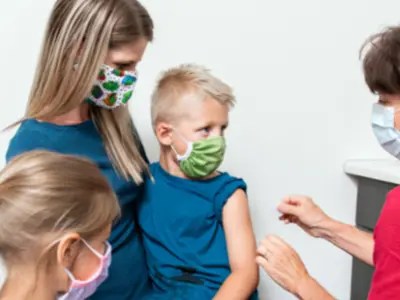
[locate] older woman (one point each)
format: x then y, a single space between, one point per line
381 65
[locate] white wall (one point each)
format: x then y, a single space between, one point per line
302 107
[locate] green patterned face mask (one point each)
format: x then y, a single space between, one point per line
202 157
112 88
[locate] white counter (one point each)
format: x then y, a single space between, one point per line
379 169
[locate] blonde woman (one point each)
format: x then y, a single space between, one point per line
54 227
85 77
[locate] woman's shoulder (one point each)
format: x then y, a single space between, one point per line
29 137
395 193
389 215
392 204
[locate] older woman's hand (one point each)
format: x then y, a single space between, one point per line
302 211
285 267
282 263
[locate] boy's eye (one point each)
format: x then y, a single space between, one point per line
205 130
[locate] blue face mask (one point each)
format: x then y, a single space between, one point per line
383 126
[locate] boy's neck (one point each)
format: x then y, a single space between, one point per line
169 163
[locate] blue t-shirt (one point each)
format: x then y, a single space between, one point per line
128 277
181 223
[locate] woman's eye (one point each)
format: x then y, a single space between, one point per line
126 67
122 67
205 130
383 101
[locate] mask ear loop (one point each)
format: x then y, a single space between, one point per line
95 252
189 147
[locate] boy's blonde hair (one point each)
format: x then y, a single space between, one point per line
44 196
186 80
82 31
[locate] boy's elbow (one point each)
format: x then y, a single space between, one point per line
251 275
254 274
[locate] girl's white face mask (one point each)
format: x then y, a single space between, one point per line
383 126
79 289
112 88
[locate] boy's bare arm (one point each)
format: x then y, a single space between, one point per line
241 245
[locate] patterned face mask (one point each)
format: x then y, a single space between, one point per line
112 88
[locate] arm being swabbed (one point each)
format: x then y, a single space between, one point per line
241 245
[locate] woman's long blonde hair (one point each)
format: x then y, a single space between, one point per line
45 195
88 29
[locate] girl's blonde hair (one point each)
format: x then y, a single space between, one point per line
44 196
83 31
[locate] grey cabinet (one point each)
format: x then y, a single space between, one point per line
371 196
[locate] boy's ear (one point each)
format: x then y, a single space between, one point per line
164 133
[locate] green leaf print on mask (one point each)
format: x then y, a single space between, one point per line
97 92
87 100
118 72
126 97
111 86
110 100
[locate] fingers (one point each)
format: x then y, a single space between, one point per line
270 245
287 209
291 205
293 200
285 218
275 243
263 263
265 251
262 258
296 199
261 250
273 249
288 219
278 242
281 262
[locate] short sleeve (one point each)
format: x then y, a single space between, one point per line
227 188
25 141
386 279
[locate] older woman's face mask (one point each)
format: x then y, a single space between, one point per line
386 122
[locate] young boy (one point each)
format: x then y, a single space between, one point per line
195 220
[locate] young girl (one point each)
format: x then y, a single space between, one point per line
56 213
195 220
